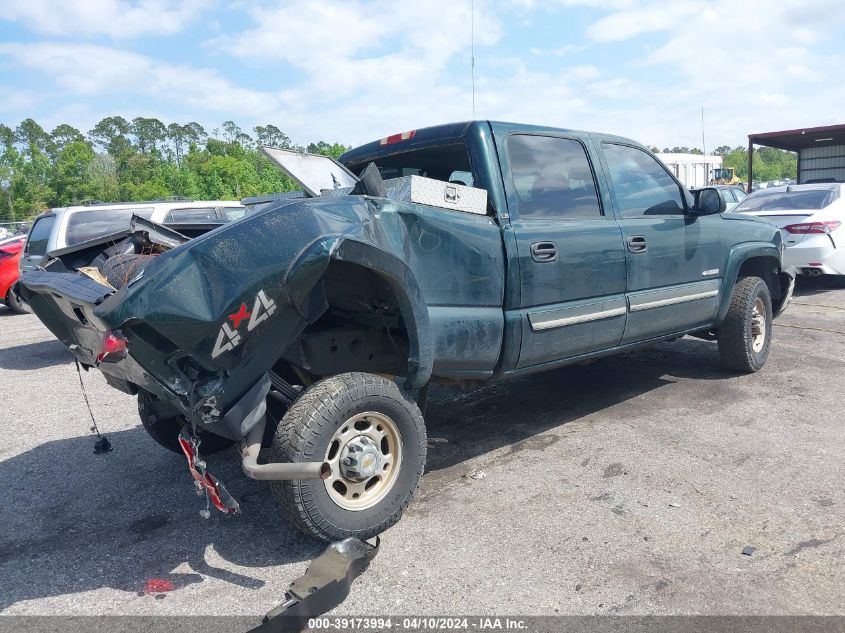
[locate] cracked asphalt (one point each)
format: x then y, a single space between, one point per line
627 486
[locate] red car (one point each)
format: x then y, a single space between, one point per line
10 254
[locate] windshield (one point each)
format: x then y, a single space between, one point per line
809 200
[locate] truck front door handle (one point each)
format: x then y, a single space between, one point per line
637 244
543 252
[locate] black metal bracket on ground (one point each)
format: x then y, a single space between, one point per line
325 584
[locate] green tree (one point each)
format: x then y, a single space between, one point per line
29 189
102 174
271 135
321 147
61 137
71 179
142 159
9 160
149 134
178 137
112 135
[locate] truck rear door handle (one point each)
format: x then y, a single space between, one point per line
637 244
544 252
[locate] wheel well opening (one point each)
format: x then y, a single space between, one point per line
767 268
362 329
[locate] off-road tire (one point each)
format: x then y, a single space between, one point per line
735 335
119 270
13 303
303 435
163 422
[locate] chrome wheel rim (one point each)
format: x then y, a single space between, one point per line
758 325
365 456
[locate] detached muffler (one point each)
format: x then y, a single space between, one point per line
251 447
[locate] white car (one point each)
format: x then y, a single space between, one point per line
811 219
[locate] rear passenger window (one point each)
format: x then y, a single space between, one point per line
191 216
36 243
91 224
552 178
642 186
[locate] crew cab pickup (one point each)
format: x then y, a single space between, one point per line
312 326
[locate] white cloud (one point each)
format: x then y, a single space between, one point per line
352 47
357 70
560 51
753 66
617 88
113 18
15 100
557 4
90 71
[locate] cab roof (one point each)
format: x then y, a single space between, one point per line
449 133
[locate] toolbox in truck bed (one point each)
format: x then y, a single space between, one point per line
437 193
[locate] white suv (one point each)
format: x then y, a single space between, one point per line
67 226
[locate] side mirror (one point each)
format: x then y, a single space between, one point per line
709 202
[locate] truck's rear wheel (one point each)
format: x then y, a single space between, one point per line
375 440
746 333
162 421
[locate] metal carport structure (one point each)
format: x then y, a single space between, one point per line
821 151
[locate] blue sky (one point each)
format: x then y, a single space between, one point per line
354 70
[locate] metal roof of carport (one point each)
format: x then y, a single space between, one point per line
794 141
802 138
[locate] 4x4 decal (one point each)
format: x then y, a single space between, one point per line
228 338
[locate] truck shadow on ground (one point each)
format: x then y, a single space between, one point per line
83 522
31 356
464 425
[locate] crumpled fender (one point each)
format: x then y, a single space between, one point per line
307 294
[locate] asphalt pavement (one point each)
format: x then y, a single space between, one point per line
630 485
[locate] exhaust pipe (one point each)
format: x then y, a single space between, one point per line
250 449
814 272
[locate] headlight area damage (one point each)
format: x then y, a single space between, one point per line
215 332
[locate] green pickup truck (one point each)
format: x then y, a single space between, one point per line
313 326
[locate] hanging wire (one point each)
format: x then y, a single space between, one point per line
102 445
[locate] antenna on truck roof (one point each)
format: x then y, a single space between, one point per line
472 51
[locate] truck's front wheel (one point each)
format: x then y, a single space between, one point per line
374 439
746 333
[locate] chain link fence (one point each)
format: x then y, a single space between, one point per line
10 229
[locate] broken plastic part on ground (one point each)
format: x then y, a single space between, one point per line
325 585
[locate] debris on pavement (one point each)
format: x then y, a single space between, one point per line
205 483
748 550
325 584
102 446
158 585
